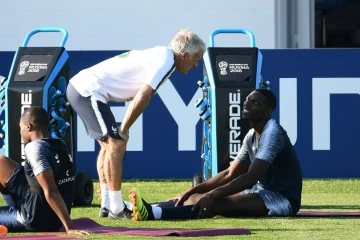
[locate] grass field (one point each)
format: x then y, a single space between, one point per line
318 195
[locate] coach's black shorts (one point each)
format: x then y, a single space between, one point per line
97 117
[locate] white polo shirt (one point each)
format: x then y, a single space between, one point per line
119 78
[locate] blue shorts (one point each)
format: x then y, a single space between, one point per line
30 208
10 216
274 201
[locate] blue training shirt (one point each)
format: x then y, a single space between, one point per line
274 146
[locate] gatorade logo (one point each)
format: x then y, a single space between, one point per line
26 101
234 124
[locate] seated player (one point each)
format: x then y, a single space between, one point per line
39 194
264 180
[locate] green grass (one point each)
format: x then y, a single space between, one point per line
318 195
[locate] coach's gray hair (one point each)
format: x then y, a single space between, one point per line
187 41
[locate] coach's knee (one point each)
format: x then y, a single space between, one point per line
116 146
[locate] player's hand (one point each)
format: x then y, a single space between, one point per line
78 232
181 198
205 206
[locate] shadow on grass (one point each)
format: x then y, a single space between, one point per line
155 180
324 207
254 230
329 217
95 205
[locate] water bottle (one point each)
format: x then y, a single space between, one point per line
54 97
59 133
56 115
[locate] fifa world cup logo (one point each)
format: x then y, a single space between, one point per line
23 66
223 65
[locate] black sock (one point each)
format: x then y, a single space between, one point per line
167 204
180 213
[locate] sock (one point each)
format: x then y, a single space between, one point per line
105 200
116 202
157 211
128 205
179 213
8 200
167 204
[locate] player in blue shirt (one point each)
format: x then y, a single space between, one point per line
265 178
40 193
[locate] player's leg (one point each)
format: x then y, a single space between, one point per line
194 199
8 171
260 203
167 204
239 205
13 186
11 219
143 211
233 206
7 168
246 205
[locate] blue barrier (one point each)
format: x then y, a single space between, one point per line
318 93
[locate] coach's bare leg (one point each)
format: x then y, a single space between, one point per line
238 205
104 190
113 166
100 162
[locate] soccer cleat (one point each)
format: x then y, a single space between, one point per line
123 215
104 212
141 209
3 230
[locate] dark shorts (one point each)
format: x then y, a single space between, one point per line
277 204
17 185
10 216
97 117
30 208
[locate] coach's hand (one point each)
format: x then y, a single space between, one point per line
78 232
181 198
124 135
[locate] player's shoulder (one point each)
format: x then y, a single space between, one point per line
274 129
35 149
37 144
44 145
250 133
